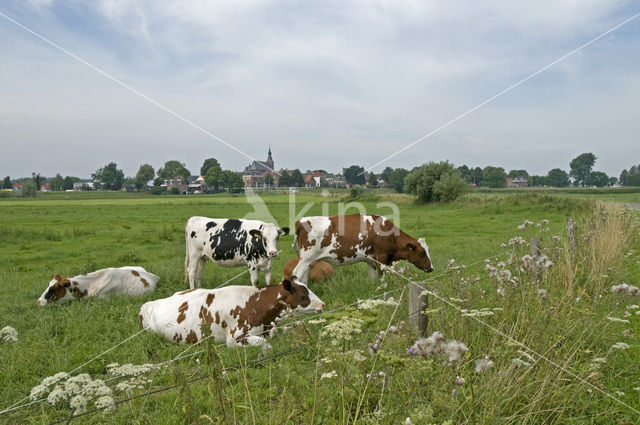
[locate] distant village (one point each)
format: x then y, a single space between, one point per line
263 175
259 175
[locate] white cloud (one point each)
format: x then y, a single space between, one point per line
359 78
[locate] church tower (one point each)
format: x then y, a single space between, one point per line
270 159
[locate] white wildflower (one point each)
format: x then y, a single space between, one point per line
407 421
526 355
78 404
129 369
317 321
599 360
343 329
620 346
374 303
459 381
50 380
542 293
617 320
626 289
329 375
57 395
520 362
619 393
454 349
105 403
8 334
483 365
636 388
501 291
632 307
96 388
477 313
38 392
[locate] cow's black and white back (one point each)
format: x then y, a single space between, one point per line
230 243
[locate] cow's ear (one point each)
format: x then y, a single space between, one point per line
56 276
284 231
411 247
286 284
255 233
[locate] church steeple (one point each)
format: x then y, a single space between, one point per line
270 158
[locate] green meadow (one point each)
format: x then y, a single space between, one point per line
565 316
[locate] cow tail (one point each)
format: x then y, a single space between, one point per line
295 236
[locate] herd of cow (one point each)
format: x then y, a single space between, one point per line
246 314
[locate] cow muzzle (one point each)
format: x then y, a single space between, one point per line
272 254
41 302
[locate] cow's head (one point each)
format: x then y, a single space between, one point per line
268 234
417 252
58 289
300 298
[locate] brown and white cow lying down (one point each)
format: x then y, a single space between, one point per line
237 315
103 283
320 270
349 239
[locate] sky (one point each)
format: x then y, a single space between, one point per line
326 84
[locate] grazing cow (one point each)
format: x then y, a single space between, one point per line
237 315
230 243
320 270
103 283
349 239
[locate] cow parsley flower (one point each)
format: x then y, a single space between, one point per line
9 334
105 403
372 304
329 375
626 289
57 395
38 392
78 404
343 330
96 388
620 346
617 320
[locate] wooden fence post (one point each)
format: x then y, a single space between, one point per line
571 229
418 303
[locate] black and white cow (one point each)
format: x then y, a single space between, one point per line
230 243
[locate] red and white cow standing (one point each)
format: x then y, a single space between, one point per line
237 315
354 238
103 283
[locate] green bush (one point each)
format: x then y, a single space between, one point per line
157 190
449 187
29 189
356 191
435 181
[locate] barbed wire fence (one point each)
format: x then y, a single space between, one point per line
182 354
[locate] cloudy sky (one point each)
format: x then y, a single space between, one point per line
327 84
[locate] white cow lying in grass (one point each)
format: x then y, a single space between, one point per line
236 314
103 283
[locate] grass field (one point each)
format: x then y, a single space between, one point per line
77 233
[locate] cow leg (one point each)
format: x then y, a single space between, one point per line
267 271
302 269
255 340
255 277
373 272
194 264
199 270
